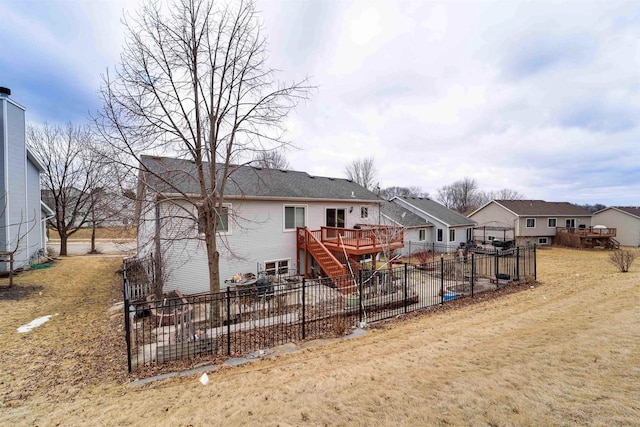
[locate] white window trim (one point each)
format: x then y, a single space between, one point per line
277 262
526 222
439 236
424 231
229 230
364 207
306 212
552 226
546 241
452 230
491 238
570 219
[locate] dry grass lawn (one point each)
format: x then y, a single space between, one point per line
566 352
102 233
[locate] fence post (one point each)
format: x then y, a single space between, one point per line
360 313
406 272
228 321
127 320
496 256
535 264
473 271
304 314
441 279
518 263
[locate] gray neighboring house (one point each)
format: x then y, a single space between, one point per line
416 228
22 213
447 227
527 221
626 221
259 226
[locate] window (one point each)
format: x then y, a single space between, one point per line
335 218
491 238
277 267
364 212
531 223
552 223
469 234
294 216
542 240
570 223
439 234
422 235
222 220
452 235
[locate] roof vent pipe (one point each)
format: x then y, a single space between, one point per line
5 91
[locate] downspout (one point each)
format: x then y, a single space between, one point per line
158 282
5 169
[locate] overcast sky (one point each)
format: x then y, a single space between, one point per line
541 97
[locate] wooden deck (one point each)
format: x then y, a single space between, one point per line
590 232
369 240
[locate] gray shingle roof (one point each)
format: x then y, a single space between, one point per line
542 208
438 211
403 216
248 181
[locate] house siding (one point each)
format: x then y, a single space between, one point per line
432 236
627 226
3 189
256 236
34 211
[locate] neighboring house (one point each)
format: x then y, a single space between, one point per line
527 221
22 213
262 228
626 221
447 228
417 230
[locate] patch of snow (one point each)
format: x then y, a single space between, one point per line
34 324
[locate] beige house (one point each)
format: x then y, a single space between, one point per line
626 221
527 221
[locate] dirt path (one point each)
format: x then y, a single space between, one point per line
566 352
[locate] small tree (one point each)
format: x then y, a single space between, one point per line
622 259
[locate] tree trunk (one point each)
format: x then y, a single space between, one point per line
63 243
93 239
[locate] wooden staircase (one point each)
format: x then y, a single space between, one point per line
325 259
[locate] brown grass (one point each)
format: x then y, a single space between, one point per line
566 352
103 233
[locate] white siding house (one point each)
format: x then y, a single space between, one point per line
263 209
443 226
22 214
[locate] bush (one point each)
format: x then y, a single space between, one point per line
622 259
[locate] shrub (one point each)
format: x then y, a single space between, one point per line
622 259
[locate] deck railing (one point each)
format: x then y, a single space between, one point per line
359 239
587 231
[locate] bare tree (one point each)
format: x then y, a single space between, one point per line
69 177
504 194
274 159
414 191
363 172
194 83
461 196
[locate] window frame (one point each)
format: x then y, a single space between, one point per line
422 234
555 222
546 240
225 206
364 212
452 235
440 235
526 223
295 224
567 220
277 267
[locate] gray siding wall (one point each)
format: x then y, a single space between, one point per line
3 200
34 211
627 226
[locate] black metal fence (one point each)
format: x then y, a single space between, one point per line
249 317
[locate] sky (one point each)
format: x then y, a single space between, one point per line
542 97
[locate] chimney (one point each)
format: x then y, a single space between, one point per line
4 92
